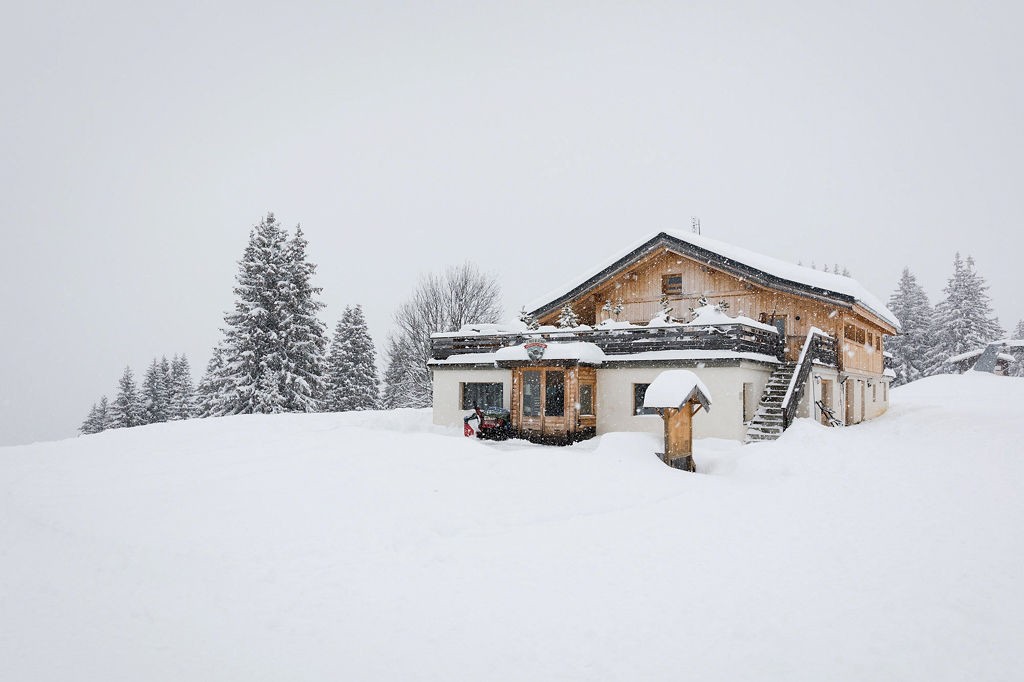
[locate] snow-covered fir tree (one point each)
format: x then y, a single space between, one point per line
155 393
211 393
963 319
103 414
181 403
528 319
273 334
406 383
304 334
92 423
568 319
352 367
910 348
126 410
613 309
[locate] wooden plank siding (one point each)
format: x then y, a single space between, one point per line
639 288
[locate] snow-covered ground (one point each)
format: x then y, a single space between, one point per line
376 547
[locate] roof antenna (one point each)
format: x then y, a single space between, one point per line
695 224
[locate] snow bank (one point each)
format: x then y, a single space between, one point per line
374 546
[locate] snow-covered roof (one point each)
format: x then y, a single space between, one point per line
801 276
975 353
675 388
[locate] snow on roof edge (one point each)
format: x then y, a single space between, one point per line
776 267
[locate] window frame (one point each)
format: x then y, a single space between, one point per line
465 398
592 412
523 398
640 410
552 394
670 289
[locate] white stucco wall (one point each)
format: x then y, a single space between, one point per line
875 399
448 391
725 420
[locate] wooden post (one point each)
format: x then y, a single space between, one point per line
679 436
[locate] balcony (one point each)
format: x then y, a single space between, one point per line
738 337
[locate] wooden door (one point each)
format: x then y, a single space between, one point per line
826 399
850 414
544 400
863 400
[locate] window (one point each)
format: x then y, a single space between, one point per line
639 391
484 395
854 333
587 399
554 393
531 393
672 285
874 392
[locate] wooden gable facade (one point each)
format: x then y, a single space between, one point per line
685 273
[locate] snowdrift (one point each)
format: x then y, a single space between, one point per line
375 546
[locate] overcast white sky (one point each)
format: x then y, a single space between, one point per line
140 143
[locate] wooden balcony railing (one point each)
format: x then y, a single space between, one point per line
740 338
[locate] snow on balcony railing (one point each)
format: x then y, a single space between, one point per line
710 330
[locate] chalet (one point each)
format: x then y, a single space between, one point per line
772 341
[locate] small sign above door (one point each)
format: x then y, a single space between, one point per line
535 351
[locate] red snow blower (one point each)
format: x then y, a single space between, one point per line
494 423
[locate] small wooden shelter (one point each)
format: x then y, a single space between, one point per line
678 394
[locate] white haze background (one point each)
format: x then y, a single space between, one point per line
140 142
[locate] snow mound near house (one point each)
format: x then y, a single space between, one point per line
377 546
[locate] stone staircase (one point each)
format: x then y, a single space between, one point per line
767 423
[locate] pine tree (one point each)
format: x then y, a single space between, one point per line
182 395
567 319
407 380
273 334
126 410
103 415
613 309
155 396
211 398
963 320
304 335
528 319
910 305
92 423
352 368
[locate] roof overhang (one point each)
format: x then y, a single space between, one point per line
715 260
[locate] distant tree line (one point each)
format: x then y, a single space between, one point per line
274 354
961 322
166 394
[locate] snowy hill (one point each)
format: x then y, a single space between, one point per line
374 546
